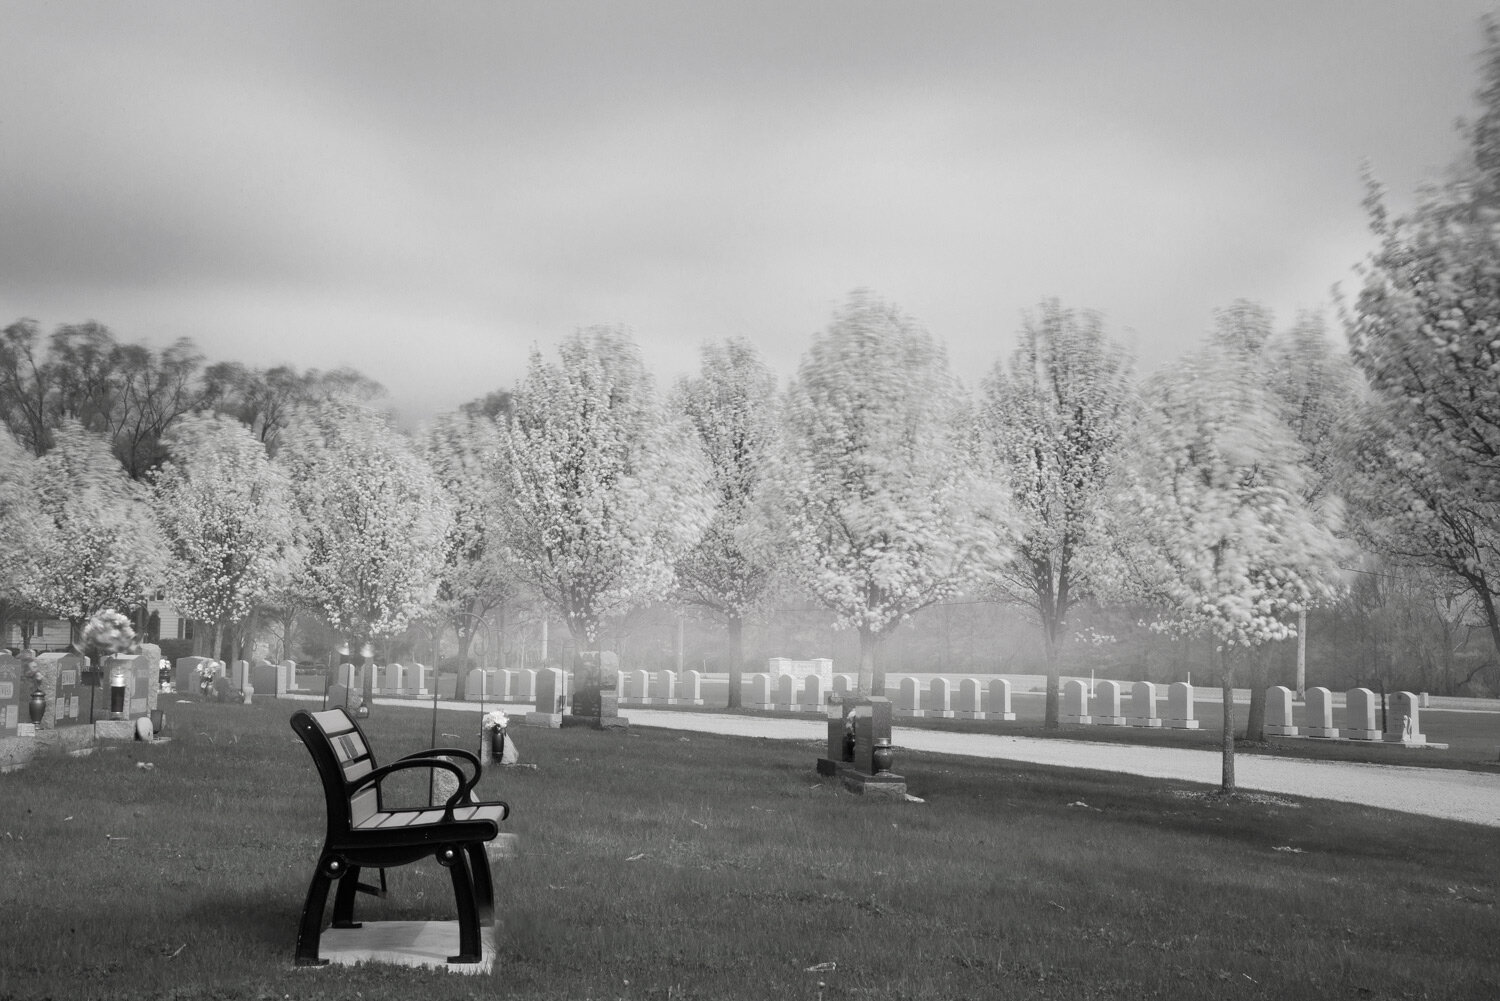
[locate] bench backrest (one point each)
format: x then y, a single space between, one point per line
343 756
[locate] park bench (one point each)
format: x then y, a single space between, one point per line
364 834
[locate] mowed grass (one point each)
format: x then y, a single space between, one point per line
656 865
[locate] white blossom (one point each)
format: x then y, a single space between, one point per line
97 544
227 518
878 488
376 518
605 491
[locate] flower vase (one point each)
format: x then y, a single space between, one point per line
37 707
882 756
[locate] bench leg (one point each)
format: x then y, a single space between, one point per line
457 862
343 900
484 886
310 931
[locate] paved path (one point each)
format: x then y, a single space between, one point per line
1438 792
1452 794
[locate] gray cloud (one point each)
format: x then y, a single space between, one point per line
426 190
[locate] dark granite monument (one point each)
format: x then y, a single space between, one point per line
859 751
596 696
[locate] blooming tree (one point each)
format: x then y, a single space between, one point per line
479 573
97 544
376 518
1425 331
731 407
1210 522
1316 389
605 491
227 517
1053 420
884 508
20 523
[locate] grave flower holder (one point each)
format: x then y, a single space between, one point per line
117 692
36 708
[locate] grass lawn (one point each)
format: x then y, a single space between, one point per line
655 865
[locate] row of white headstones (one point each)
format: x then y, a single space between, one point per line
1108 704
1361 711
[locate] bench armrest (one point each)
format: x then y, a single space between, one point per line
459 798
453 752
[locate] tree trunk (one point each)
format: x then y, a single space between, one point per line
866 682
218 648
736 656
1227 783
1302 654
1053 720
465 640
1255 722
367 674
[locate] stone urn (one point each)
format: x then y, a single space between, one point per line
37 707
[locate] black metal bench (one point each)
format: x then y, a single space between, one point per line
363 834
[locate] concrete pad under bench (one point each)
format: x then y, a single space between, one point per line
426 944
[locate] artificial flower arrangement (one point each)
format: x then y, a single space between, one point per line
33 673
496 720
108 632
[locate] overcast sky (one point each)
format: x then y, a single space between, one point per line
427 191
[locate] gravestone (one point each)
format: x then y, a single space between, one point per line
474 685
1403 722
1360 722
842 684
665 688
525 690
1107 704
640 687
15 695
1319 721
1279 712
939 699
60 703
871 724
264 675
1180 707
760 691
799 669
549 689
342 694
447 684
239 674
185 675
814 694
596 700
1143 705
1075 703
909 698
286 677
71 695
691 693
786 692
997 706
969 703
